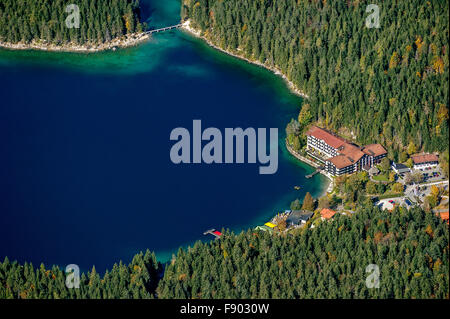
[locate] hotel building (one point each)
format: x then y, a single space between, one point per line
340 156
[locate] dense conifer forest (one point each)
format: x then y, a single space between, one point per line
387 85
100 20
134 281
411 249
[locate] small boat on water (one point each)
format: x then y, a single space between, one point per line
297 187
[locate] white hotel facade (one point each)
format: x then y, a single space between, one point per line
340 156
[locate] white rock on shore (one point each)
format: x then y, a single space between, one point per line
126 41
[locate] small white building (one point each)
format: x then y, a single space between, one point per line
400 168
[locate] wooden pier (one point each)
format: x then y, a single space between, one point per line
213 232
315 172
176 26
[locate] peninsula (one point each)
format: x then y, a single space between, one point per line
89 26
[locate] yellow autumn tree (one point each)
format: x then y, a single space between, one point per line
442 113
418 42
438 64
429 231
393 62
435 191
437 264
305 116
397 187
128 22
409 163
392 101
392 176
411 148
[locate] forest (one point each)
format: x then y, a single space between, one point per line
137 280
100 21
385 85
410 248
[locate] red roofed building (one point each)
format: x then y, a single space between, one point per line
324 140
339 155
444 216
341 161
327 213
376 152
422 161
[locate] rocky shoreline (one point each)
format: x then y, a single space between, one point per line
187 27
123 42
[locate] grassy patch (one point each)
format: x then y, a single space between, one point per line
381 178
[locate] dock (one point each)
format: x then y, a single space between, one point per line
213 232
164 29
315 172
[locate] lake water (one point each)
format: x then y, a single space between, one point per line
85 172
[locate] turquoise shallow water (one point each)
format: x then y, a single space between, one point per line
85 174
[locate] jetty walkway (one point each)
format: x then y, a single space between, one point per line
213 232
176 26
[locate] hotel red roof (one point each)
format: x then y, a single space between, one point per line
424 158
327 137
341 161
217 233
351 151
374 150
327 213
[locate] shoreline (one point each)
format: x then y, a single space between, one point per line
133 40
40 45
292 87
312 164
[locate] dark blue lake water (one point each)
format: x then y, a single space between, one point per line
85 172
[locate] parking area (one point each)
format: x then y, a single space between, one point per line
432 174
429 175
424 190
389 204
415 194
